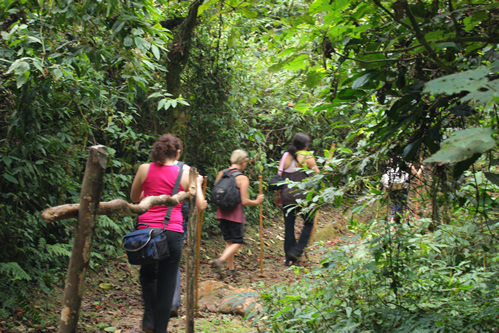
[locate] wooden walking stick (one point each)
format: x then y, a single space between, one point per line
313 228
198 247
261 226
333 145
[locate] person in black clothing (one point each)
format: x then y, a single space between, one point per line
293 164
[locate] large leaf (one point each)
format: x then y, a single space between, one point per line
492 177
475 81
463 145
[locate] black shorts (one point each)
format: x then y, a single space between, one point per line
232 231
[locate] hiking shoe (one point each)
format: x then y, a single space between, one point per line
174 312
217 266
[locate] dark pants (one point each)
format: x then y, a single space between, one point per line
399 201
293 249
158 283
185 216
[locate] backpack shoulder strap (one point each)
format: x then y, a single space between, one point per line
175 190
233 173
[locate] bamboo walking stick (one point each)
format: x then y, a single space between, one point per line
198 247
261 226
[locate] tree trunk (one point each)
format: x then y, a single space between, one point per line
177 58
435 209
80 255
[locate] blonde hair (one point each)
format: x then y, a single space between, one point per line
239 156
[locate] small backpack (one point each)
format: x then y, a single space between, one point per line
225 193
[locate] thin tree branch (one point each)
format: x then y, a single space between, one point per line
487 40
454 20
378 3
373 61
422 40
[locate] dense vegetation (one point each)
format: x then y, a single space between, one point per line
388 82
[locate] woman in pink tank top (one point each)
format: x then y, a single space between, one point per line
158 280
232 221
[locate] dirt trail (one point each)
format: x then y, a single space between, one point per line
112 302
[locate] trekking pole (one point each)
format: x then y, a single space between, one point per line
198 247
316 217
261 226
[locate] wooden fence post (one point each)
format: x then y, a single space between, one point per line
80 256
191 253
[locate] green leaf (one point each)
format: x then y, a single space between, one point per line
118 25
22 79
154 95
462 166
463 145
476 82
128 41
462 110
485 94
361 81
455 83
299 62
18 67
492 177
161 103
155 51
57 72
248 13
10 178
7 160
410 150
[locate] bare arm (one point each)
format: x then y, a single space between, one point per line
140 177
243 184
308 160
219 176
201 203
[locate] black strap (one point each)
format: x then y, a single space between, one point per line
175 190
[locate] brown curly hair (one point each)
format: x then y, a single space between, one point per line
166 147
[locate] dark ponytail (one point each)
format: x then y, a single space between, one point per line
299 142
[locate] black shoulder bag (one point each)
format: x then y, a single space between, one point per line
149 245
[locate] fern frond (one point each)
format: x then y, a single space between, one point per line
14 271
108 223
57 250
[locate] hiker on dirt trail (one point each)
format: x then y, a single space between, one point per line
293 164
396 182
232 221
158 280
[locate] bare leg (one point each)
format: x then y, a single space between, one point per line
228 254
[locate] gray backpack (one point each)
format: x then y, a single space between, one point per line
225 194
